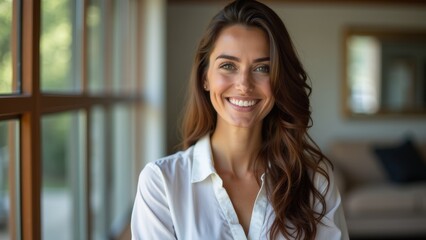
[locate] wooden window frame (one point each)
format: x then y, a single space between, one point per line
30 105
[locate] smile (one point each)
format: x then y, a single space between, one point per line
242 103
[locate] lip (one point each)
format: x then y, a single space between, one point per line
243 108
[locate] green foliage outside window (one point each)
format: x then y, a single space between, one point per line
5 46
55 145
56 45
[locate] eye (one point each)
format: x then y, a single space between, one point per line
262 69
228 66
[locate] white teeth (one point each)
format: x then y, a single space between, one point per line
242 103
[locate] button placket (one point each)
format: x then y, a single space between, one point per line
227 208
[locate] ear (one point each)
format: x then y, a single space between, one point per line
206 85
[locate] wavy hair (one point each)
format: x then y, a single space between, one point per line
287 154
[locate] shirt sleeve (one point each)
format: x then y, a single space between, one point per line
333 224
151 218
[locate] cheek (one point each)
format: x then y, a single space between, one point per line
218 82
266 88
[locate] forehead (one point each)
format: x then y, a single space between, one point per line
242 40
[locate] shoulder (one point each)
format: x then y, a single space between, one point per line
177 164
176 161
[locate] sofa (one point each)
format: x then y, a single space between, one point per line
376 203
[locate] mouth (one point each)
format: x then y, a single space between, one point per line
243 103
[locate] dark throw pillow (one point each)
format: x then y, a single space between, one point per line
403 163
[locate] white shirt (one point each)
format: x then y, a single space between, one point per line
182 197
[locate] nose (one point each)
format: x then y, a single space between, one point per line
244 84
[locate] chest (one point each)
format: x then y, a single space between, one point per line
206 210
242 194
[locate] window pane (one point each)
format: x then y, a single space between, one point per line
58 71
63 176
124 43
96 46
122 164
9 180
98 194
7 43
119 81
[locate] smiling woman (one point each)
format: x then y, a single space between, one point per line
249 169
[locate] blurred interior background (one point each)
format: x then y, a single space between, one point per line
91 90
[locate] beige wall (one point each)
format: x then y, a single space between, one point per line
317 33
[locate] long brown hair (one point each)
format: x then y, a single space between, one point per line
287 154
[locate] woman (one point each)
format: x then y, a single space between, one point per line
249 169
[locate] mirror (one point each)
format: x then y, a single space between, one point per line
385 72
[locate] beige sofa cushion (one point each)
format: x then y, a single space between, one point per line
356 162
387 200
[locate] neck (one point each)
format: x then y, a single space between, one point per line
235 149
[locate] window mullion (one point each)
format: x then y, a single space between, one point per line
88 116
30 123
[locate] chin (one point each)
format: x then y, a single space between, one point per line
245 124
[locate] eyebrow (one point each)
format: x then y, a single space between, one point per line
233 58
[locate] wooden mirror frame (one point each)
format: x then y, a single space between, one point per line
415 38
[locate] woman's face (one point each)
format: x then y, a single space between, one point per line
238 76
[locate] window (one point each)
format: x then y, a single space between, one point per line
63 177
8 19
73 116
9 164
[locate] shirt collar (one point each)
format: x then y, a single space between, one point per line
203 165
